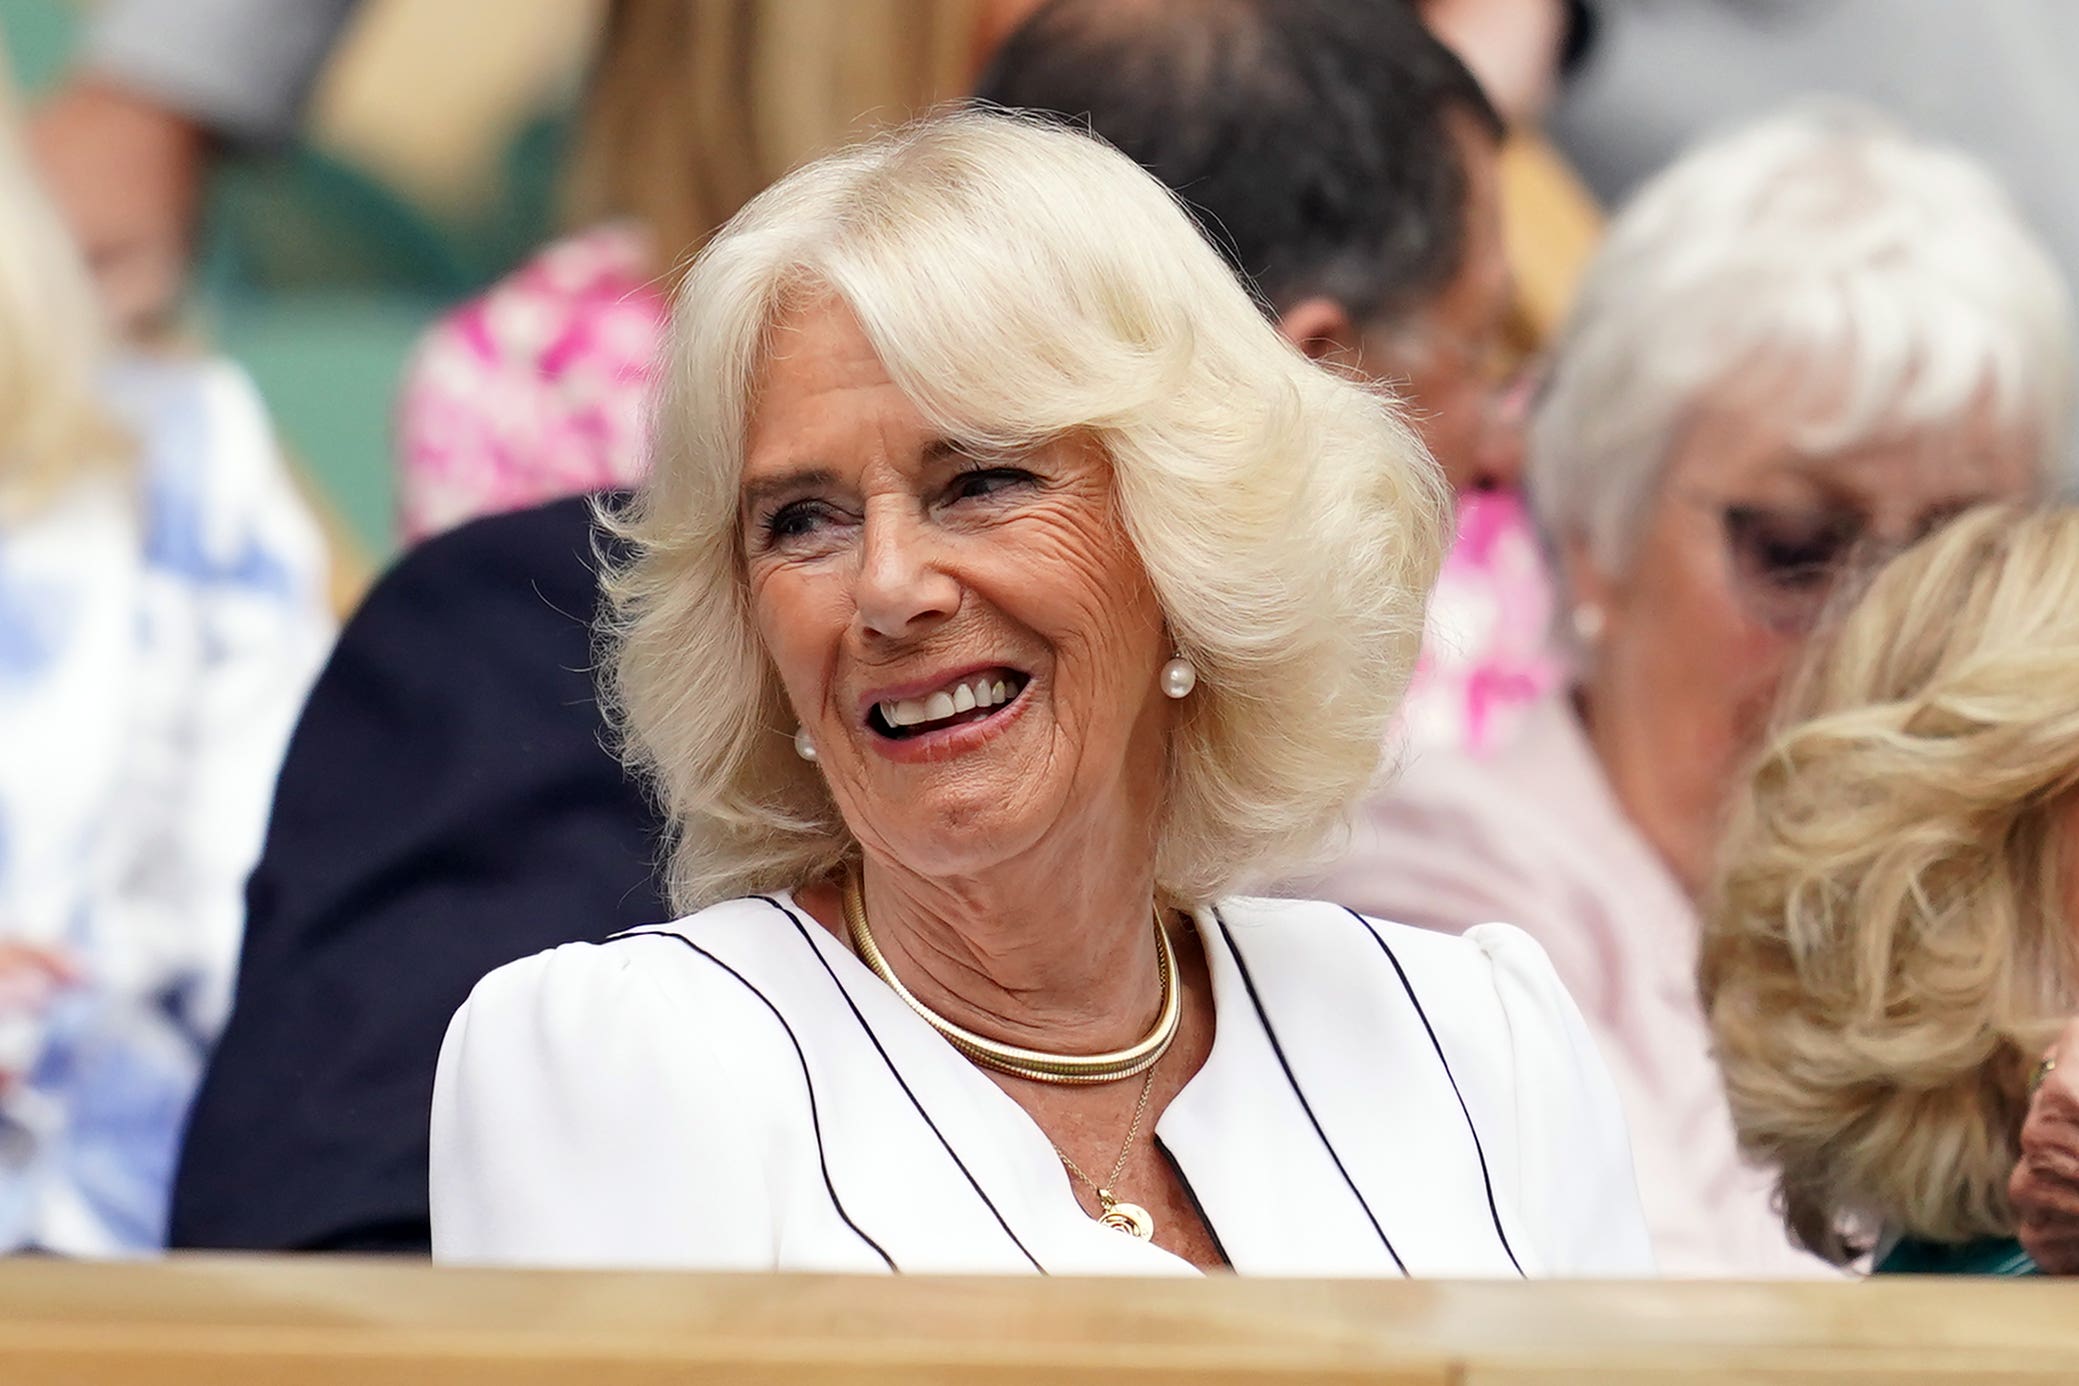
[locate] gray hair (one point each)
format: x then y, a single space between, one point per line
1823 237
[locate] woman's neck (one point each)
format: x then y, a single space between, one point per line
1660 814
1058 956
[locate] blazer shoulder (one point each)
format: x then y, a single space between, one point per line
674 978
748 921
1329 924
1451 978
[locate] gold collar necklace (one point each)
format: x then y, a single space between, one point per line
1019 1062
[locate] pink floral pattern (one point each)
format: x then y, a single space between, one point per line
536 390
1488 655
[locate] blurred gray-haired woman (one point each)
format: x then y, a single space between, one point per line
1810 340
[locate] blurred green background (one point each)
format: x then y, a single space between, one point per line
317 275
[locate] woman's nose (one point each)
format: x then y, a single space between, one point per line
903 590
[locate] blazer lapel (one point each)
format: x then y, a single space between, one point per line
1325 1135
1245 1143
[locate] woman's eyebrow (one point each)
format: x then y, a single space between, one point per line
940 450
954 450
770 486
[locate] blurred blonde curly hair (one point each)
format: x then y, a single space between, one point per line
1888 945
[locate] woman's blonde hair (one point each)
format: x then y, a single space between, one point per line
52 428
1889 946
1021 281
694 106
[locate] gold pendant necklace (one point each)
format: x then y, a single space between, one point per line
1019 1062
1130 1218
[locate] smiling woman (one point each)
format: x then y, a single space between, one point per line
1005 594
949 298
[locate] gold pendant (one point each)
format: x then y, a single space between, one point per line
1130 1218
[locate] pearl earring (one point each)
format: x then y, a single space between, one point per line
1588 623
1179 677
804 747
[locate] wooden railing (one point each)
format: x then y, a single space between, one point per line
243 1321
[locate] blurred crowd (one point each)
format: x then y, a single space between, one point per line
1739 330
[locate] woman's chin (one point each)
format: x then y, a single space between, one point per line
960 834
958 797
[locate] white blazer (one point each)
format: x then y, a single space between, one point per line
737 1091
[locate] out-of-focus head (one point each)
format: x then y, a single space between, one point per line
51 343
1892 939
690 109
1341 158
1813 338
974 408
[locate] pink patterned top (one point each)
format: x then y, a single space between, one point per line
538 390
535 390
1487 655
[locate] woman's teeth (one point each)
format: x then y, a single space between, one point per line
985 691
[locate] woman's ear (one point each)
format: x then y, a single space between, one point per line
1321 328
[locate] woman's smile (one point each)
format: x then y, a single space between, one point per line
945 715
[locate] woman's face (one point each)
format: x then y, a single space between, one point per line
1735 556
970 641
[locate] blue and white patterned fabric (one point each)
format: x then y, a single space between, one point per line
159 627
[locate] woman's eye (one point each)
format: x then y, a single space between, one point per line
1797 558
987 481
793 521
1787 552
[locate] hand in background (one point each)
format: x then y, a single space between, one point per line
2045 1186
127 175
30 977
